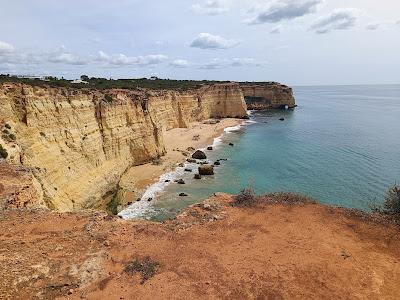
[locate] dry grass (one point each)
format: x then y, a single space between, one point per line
146 267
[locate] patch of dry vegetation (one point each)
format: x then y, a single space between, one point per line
146 267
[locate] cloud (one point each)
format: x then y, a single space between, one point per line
218 63
6 48
124 60
214 42
283 10
68 58
340 19
211 7
398 23
373 26
276 30
180 63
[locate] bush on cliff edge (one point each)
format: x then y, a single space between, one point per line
391 204
3 152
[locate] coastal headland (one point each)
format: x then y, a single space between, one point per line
77 142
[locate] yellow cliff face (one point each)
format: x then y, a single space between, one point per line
259 97
79 142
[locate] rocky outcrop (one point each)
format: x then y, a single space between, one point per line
78 142
268 96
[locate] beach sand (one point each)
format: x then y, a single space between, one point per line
177 142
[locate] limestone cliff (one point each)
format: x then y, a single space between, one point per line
79 142
267 96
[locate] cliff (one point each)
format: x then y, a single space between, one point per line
267 96
77 143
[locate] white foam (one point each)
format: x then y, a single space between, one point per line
144 207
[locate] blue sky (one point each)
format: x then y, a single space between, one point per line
299 42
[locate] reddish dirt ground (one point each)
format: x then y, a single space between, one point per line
211 251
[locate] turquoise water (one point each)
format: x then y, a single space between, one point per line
341 146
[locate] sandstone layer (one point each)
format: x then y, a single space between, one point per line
268 96
77 143
277 250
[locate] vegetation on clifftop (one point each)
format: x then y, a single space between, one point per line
104 83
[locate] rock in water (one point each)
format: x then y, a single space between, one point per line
217 163
180 181
199 155
188 170
209 148
230 144
206 170
183 195
282 119
197 176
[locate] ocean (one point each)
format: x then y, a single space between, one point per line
340 146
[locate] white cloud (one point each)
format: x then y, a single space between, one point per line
211 7
180 63
373 26
209 41
6 48
68 58
123 60
276 30
218 63
340 19
283 10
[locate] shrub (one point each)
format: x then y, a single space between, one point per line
246 197
391 204
146 267
12 137
3 152
108 98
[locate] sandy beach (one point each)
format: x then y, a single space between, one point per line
177 142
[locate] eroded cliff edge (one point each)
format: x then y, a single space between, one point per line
77 143
268 95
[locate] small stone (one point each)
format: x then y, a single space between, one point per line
206 170
217 163
209 148
107 243
188 170
167 180
180 181
70 292
183 195
230 144
191 160
282 119
197 176
150 199
138 199
181 165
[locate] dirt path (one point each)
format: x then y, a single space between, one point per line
213 250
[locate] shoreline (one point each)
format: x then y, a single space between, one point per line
148 180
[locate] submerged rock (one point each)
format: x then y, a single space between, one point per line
180 181
230 144
199 155
282 119
206 170
183 195
197 176
217 163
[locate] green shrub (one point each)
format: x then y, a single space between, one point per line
3 152
108 98
391 204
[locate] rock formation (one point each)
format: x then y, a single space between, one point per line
78 142
267 95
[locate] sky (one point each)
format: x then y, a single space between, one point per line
297 42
